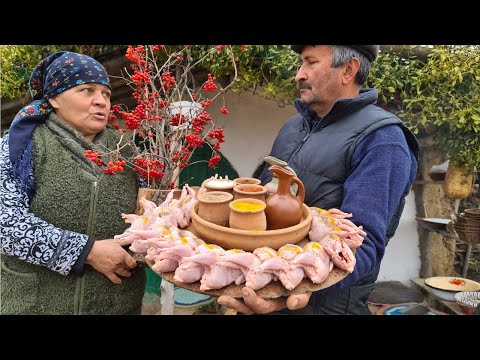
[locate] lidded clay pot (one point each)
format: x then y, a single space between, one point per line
247 180
248 214
213 207
284 209
252 191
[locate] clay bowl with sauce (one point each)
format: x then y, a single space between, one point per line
249 240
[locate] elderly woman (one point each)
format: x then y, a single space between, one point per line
59 211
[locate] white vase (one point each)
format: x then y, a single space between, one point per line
188 109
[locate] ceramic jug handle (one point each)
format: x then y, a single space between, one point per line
301 190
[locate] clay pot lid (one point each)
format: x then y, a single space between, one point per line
250 201
219 184
215 197
247 180
247 189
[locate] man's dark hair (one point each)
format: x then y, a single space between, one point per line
342 54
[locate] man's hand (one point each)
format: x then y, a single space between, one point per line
109 258
253 304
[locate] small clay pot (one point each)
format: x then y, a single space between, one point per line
247 180
252 191
219 185
213 207
248 214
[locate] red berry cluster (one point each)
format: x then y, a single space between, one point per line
168 81
157 47
194 141
224 110
209 85
112 167
181 156
177 119
219 136
214 160
139 78
206 103
198 123
135 55
94 157
131 121
149 169
162 104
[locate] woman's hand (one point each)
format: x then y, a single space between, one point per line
109 258
253 304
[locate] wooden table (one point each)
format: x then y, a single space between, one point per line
452 306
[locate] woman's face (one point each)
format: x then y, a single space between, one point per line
84 107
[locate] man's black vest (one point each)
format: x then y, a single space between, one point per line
315 154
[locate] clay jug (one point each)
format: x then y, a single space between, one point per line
284 209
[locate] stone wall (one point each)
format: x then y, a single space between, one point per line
437 252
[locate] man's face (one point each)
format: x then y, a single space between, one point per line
320 83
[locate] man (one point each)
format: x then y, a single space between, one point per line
351 155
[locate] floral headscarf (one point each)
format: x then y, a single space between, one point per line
52 76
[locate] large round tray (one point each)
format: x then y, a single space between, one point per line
272 291
447 283
250 240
